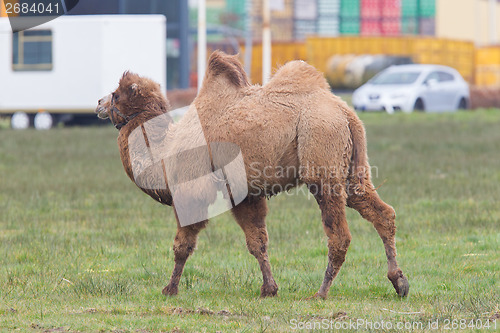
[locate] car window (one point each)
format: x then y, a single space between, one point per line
440 77
432 76
395 78
444 77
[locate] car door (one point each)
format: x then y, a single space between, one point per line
431 93
449 91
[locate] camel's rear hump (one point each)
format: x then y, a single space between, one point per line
297 77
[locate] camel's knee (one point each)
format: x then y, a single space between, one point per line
185 240
338 244
257 250
372 208
257 244
183 249
388 212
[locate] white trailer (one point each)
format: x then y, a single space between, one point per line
64 66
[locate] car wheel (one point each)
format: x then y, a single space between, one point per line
419 105
462 105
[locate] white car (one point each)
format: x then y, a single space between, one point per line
406 88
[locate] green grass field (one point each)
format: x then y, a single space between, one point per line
82 249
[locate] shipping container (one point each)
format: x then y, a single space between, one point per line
329 7
350 8
487 76
457 54
427 26
409 8
380 17
487 56
281 54
305 10
391 8
391 26
391 17
371 27
235 14
236 6
349 25
410 25
427 8
328 17
370 9
328 26
214 15
304 28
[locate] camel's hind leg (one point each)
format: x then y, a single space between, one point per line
373 209
250 215
332 207
184 245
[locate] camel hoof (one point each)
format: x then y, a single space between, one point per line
170 290
400 283
269 290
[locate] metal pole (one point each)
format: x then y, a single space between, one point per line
202 41
248 37
493 22
266 42
184 44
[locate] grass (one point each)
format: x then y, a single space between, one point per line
81 249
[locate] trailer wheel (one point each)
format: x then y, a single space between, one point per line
43 121
20 121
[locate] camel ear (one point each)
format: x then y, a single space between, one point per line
134 89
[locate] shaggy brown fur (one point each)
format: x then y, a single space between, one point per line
290 131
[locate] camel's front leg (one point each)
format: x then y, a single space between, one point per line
250 215
184 245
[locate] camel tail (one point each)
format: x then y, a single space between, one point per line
359 169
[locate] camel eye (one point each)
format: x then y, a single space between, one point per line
116 97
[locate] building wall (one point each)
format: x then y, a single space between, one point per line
468 20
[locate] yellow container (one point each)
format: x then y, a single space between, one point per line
488 56
477 66
281 54
488 75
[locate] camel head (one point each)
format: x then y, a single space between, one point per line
134 95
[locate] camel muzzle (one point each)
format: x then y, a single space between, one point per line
102 107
